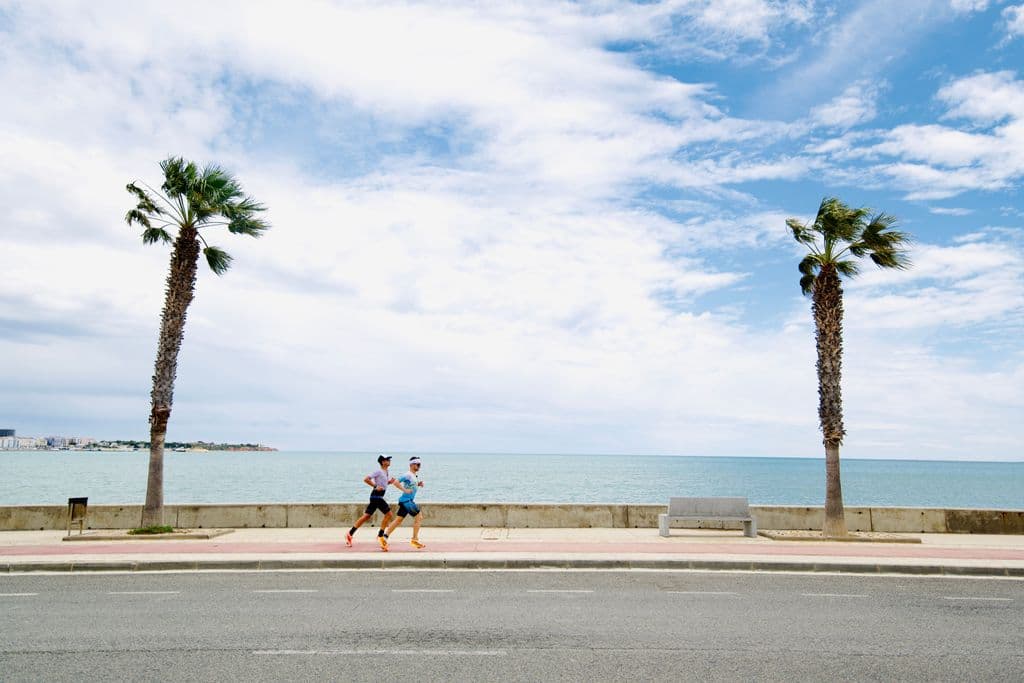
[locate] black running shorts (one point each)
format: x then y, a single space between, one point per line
378 503
408 508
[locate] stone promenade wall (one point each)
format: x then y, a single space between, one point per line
297 515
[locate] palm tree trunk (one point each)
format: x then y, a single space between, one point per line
828 322
181 282
835 517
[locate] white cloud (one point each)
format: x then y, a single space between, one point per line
464 290
969 5
748 19
517 289
949 211
752 230
958 286
935 161
985 98
938 145
715 30
1014 17
857 104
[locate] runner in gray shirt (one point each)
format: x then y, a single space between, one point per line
378 480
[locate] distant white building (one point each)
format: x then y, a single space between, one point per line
11 442
19 443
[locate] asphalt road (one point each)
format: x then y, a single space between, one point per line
521 626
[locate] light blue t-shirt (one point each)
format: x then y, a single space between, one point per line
409 481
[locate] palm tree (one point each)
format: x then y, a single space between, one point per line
837 234
189 200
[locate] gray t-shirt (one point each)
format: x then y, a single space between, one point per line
380 481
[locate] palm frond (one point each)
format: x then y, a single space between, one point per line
154 235
839 223
826 207
896 258
219 185
851 223
801 233
246 205
136 216
215 193
809 265
807 284
178 176
247 225
847 268
218 259
210 187
146 203
886 247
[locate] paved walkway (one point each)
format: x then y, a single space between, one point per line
475 548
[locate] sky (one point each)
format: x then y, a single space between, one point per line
543 227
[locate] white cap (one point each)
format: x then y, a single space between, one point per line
414 461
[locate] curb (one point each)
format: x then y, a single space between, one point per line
201 534
79 567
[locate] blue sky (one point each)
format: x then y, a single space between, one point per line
536 227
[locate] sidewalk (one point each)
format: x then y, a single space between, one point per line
476 548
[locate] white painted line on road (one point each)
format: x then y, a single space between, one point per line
377 653
947 597
422 590
832 595
558 590
17 595
143 592
287 590
702 592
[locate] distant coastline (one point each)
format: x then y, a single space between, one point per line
179 446
122 445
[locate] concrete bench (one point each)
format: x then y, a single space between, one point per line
708 509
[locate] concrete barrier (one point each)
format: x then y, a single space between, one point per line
231 516
514 515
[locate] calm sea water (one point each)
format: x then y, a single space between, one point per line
50 477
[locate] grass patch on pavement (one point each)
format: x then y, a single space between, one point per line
155 529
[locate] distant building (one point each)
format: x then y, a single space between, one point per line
10 442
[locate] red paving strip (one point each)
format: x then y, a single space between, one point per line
891 550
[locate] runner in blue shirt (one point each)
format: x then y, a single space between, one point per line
409 483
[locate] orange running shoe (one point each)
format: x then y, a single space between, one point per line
416 544
383 543
348 539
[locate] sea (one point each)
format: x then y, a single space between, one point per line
51 477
